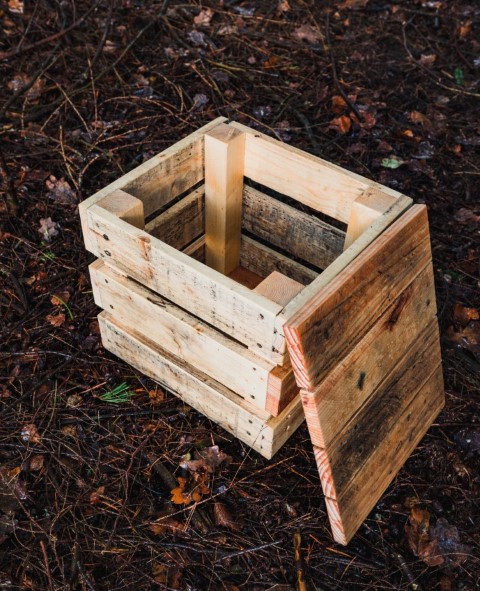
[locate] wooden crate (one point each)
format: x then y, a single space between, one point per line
238 271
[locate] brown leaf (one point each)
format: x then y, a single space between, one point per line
204 17
354 4
338 104
307 33
463 315
223 518
15 6
341 124
96 495
183 495
166 525
467 338
428 60
30 434
36 463
417 117
466 216
61 298
464 29
213 457
56 319
156 396
283 6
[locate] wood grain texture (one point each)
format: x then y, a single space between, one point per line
350 384
182 223
237 416
224 157
301 235
349 510
160 179
124 206
205 293
262 260
279 288
338 316
365 210
281 388
182 335
245 277
306 178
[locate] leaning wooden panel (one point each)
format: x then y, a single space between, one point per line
347 513
160 179
205 293
337 317
237 416
183 335
301 235
350 384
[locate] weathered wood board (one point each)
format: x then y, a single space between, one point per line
251 425
370 395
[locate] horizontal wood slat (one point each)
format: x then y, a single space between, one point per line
357 376
301 235
183 335
237 416
352 302
349 510
306 178
263 260
182 223
205 293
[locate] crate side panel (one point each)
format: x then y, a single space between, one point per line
216 299
341 314
301 235
237 416
349 385
182 335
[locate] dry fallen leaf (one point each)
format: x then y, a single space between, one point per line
60 191
204 17
183 496
355 4
466 216
36 463
417 117
467 338
30 434
338 104
223 517
341 124
96 495
166 525
56 320
61 298
463 315
15 6
283 6
308 33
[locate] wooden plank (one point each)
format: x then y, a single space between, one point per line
124 206
224 155
181 334
183 222
338 316
205 293
281 388
263 260
345 259
351 383
279 288
246 422
365 210
352 505
306 178
301 235
196 249
160 179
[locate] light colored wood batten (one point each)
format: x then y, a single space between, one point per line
224 157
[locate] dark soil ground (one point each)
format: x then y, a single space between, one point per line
388 89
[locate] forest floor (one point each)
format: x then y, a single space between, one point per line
90 89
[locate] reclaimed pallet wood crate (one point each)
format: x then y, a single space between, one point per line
263 285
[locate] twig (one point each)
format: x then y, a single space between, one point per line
248 550
334 71
297 548
4 55
13 205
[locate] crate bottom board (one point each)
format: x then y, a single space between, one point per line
256 428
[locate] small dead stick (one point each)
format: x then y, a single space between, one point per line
334 71
297 547
13 205
8 54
